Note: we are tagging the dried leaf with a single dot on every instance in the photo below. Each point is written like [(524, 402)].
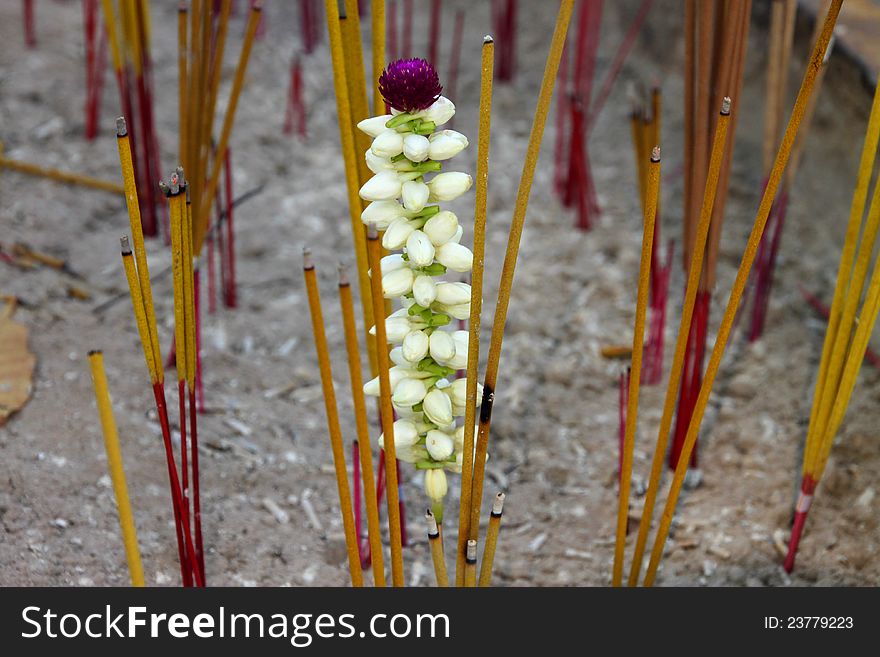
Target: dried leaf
[(16, 365)]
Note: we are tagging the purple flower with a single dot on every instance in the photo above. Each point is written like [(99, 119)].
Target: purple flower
[(410, 85)]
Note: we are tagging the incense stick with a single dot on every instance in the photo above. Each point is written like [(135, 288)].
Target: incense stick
[(470, 564), (515, 235), (675, 373), (333, 428), (774, 180), (480, 204), (491, 541), (117, 471), (59, 175), (652, 192), (435, 540), (361, 424), (377, 25), (386, 411)]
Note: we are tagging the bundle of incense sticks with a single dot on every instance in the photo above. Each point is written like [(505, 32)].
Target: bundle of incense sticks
[(851, 321), (645, 129), (695, 269), (128, 32), (504, 28), (96, 62), (779, 57), (351, 99), (716, 37), (187, 519)]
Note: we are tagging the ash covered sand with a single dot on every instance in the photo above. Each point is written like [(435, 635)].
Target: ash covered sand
[(555, 419)]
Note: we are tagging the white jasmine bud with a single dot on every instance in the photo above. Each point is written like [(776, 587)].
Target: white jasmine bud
[(376, 163), (396, 329), (438, 407), (409, 392), (419, 249), (458, 235), (458, 392), (446, 144), (449, 185), (441, 227), (391, 263), (382, 213), (435, 484), (415, 346), (441, 346), (460, 340), (459, 311), (387, 143), (396, 233), (375, 125), (415, 147), (396, 356), (424, 290), (411, 454), (455, 256), (453, 294), (438, 444), (440, 111), (405, 435), (414, 195), (459, 461), (395, 376), (384, 186), (397, 283)]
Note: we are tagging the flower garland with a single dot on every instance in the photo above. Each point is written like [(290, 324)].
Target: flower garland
[(406, 147)]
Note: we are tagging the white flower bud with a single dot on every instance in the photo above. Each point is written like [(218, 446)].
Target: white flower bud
[(375, 125), (396, 233), (405, 435), (415, 346), (384, 186), (391, 263), (438, 407), (441, 227), (397, 283), (419, 249), (396, 329), (455, 256), (441, 347), (395, 376), (446, 144), (415, 147), (424, 290), (458, 311), (414, 195), (396, 356), (435, 484), (458, 235), (387, 143), (453, 294), (382, 213), (458, 392), (438, 444), (409, 392), (459, 461), (440, 111), (449, 186), (460, 340), (376, 163), (411, 454)]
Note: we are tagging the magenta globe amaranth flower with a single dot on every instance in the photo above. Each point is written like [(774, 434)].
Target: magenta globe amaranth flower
[(410, 85)]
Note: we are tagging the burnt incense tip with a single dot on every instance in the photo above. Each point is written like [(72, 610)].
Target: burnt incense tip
[(95, 352), (342, 268), (655, 154), (308, 262), (372, 233), (725, 105), (163, 187), (471, 554), (341, 5), (498, 504), (433, 531), (121, 128), (182, 8), (488, 39), (125, 245)]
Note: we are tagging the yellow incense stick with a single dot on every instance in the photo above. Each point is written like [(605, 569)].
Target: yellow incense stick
[(632, 407), (137, 302), (60, 176), (323, 352), (435, 540), (117, 472), (491, 541), (363, 429), (516, 227), (377, 15), (694, 271), (392, 495), (470, 564), (356, 80), (137, 236), (176, 213), (189, 309), (343, 111), (480, 201), (182, 13), (815, 64)]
